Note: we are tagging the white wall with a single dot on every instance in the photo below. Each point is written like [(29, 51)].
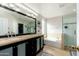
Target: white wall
[(78, 27), (39, 27), (77, 24), (44, 27)]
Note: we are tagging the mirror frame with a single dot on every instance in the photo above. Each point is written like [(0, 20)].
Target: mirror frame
[(20, 14)]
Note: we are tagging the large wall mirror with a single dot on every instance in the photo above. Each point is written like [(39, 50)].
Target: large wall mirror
[(12, 22)]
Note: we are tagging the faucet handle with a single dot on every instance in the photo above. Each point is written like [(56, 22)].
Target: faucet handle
[(13, 33), (7, 34)]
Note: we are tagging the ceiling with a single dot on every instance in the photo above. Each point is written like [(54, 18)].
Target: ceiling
[(49, 10)]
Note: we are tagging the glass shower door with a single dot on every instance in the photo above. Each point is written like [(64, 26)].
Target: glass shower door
[(69, 31)]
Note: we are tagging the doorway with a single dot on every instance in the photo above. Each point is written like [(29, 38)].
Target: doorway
[(20, 28)]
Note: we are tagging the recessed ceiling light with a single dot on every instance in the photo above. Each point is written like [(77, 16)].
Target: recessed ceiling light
[(74, 9), (61, 5)]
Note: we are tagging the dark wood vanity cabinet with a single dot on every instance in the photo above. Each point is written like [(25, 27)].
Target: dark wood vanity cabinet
[(34, 46), (42, 41), (30, 47), (15, 50)]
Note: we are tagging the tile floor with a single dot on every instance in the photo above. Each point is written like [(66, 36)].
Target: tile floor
[(51, 51)]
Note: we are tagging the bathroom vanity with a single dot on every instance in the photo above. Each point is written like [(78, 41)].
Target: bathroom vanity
[(25, 45), (18, 33)]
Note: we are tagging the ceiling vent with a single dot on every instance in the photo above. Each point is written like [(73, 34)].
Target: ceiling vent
[(61, 5)]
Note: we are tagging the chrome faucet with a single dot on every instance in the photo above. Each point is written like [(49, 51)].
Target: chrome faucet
[(8, 34), (12, 33)]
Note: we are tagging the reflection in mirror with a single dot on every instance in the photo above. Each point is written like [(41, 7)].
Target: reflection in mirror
[(14, 23)]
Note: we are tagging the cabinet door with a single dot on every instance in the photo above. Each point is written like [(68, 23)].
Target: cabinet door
[(6, 52), (15, 50), (29, 48), (21, 49), (34, 46), (42, 41), (38, 44)]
